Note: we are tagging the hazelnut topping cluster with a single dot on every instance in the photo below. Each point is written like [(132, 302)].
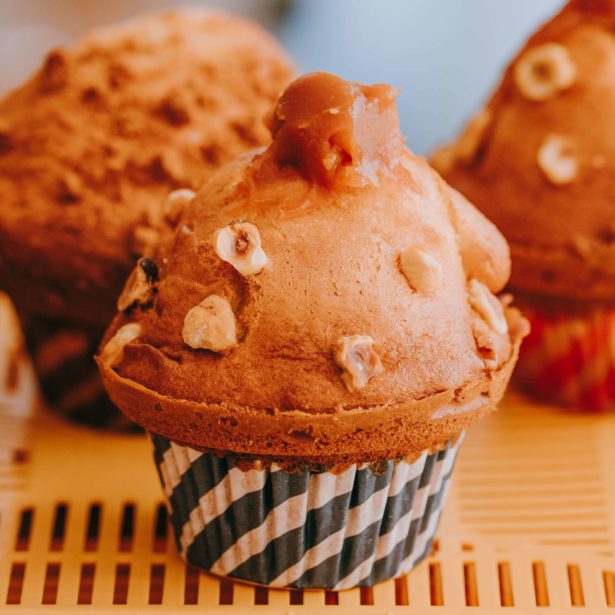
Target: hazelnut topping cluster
[(541, 73), (331, 137)]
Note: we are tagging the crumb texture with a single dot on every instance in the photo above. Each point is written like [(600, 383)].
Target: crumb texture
[(94, 141)]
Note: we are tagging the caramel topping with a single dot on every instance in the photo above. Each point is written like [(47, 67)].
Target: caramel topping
[(331, 130)]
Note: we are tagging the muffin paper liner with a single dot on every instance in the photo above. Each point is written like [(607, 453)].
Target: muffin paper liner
[(348, 526), (570, 359)]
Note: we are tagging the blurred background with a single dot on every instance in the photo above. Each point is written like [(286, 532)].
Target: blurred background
[(444, 55)]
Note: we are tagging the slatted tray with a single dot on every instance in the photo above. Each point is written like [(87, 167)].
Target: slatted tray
[(529, 527)]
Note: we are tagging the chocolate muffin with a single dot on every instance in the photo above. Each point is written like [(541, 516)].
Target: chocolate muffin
[(322, 330), (92, 144), (537, 160)]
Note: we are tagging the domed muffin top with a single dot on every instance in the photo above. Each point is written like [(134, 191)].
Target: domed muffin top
[(91, 145), (539, 159), (332, 271)]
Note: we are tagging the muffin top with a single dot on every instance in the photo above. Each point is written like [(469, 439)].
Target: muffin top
[(328, 296), (539, 159), (92, 143)]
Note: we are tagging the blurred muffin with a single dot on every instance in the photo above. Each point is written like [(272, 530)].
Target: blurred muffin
[(18, 390), (539, 161), (92, 144), (321, 332)]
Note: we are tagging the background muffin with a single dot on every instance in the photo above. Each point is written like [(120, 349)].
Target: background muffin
[(322, 330), (92, 144), (538, 160)]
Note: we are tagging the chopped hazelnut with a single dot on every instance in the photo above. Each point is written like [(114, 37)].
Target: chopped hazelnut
[(423, 271), (354, 354), (210, 325), (556, 160), (543, 71), (140, 285), (239, 244), (493, 348), (471, 138), (175, 203), (113, 352), (487, 306)]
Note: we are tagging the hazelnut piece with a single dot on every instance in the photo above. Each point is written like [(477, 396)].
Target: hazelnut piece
[(422, 270), (239, 244), (487, 306), (557, 161), (472, 136), (354, 354), (210, 325), (140, 285), (543, 71), (175, 203), (113, 352)]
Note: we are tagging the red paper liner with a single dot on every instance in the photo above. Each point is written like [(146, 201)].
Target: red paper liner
[(569, 358)]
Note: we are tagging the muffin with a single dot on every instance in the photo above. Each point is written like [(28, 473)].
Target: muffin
[(538, 160), (322, 331), (90, 147)]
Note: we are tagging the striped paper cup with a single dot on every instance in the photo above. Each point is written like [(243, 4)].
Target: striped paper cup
[(569, 359), (357, 525)]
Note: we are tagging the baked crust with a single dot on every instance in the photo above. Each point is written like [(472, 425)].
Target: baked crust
[(93, 142), (560, 229), (340, 436)]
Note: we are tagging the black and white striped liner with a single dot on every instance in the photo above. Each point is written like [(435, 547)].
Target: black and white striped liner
[(369, 523)]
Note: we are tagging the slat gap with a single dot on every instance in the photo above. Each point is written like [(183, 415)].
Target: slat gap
[(92, 534), (58, 531), (122, 579), (436, 593), (331, 598), (575, 583), (541, 589), (402, 597), (261, 595), (191, 585), (16, 580), (156, 583), (86, 583), (366, 596), (470, 584), (24, 532), (506, 585), (50, 587), (226, 592), (160, 530), (127, 528), (295, 597), (608, 579)]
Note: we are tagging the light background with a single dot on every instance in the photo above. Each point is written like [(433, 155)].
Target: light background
[(445, 55)]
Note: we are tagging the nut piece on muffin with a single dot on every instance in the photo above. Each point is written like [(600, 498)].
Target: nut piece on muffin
[(92, 144), (325, 305), (538, 161)]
